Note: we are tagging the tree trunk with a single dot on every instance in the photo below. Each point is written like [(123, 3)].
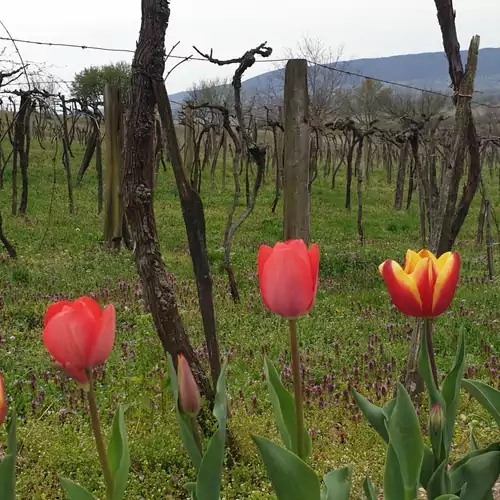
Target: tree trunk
[(400, 181), (6, 243), (138, 162)]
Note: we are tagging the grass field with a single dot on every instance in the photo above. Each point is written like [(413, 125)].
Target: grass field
[(352, 335)]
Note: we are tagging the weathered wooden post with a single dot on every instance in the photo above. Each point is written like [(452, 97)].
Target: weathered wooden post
[(296, 154), (113, 217)]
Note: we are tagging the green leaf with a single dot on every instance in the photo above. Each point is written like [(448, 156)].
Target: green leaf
[(369, 489), (209, 474), (474, 447), (486, 395), (8, 478), (476, 476), (184, 421), (373, 413), (8, 464), (427, 467), (191, 487), (291, 477), (338, 484), (406, 440), (439, 483), (118, 454), (451, 392), (448, 497), (75, 491), (393, 481), (284, 410)]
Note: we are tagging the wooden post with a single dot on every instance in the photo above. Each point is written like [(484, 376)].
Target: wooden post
[(113, 216), (296, 162)]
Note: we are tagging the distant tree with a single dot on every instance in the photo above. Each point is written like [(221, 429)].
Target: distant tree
[(88, 84)]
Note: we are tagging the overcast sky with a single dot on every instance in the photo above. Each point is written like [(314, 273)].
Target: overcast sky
[(364, 28)]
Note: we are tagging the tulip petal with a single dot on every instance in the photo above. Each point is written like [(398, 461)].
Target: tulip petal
[(54, 309), (424, 276), (90, 305), (265, 252), (427, 254), (286, 282), (75, 373), (67, 336), (411, 260), (402, 288), (446, 283), (103, 339), (314, 262)]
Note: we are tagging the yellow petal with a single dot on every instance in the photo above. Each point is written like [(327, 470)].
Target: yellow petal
[(411, 260)]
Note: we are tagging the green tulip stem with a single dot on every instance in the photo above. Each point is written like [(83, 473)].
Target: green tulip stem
[(196, 433), (297, 385), (96, 427), (430, 349)]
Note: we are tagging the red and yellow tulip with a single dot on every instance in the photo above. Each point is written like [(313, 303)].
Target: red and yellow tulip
[(189, 396), (426, 285)]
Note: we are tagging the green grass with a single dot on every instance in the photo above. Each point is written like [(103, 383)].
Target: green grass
[(351, 328)]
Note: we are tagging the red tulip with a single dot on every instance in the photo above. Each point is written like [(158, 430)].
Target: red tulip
[(426, 286), (288, 277), (79, 335), (189, 396), (3, 401)]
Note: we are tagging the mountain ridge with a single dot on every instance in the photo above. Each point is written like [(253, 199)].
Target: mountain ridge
[(426, 70)]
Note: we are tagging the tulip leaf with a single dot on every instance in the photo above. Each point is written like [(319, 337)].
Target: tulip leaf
[(486, 395), (291, 477), (284, 411), (369, 489), (476, 476), (191, 487), (393, 480), (448, 496), (208, 480), (405, 438), (427, 467), (8, 478), (118, 454), (8, 464), (373, 413), (451, 392), (338, 484), (439, 483), (75, 491), (184, 421)]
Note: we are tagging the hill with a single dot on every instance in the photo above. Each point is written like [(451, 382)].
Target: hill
[(427, 70)]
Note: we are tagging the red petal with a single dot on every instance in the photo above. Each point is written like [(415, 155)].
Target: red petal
[(101, 344), (91, 306), (286, 281), (425, 274), (263, 255), (314, 261), (402, 288), (75, 373), (54, 309), (67, 336), (446, 284)]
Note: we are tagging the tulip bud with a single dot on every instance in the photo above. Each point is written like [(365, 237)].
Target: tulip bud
[(189, 396), (436, 418), (3, 401)]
